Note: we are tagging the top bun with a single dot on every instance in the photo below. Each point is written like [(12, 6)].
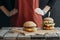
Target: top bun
[(29, 24), (48, 19)]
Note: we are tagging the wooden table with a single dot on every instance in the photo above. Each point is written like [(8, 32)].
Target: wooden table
[(43, 35)]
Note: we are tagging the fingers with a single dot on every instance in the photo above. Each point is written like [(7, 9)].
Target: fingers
[(39, 11)]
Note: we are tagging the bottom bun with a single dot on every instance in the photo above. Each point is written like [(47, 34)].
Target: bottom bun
[(48, 28), (29, 30)]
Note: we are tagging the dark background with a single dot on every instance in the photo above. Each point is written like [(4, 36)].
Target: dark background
[(55, 14), (55, 11)]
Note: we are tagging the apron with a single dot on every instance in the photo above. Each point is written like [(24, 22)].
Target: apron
[(26, 13)]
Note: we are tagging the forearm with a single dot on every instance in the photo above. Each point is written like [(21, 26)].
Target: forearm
[(46, 8), (5, 10), (14, 11)]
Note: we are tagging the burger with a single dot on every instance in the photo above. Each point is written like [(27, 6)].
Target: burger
[(29, 26), (49, 23)]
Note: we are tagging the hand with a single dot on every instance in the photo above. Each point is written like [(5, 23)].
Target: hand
[(14, 11), (39, 11)]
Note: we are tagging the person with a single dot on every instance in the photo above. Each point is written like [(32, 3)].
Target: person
[(4, 20), (50, 3), (28, 10), (5, 7)]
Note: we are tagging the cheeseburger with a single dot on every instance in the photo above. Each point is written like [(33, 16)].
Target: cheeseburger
[(48, 23), (29, 26)]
